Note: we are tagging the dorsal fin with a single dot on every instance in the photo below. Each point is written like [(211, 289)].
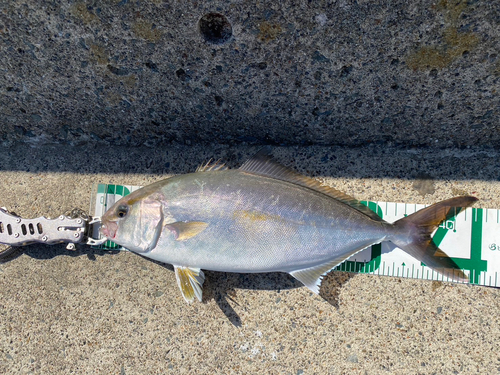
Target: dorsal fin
[(262, 164), (216, 166)]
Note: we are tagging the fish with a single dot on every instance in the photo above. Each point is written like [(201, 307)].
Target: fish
[(264, 217)]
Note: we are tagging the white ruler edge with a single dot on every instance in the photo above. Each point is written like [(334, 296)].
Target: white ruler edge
[(472, 239)]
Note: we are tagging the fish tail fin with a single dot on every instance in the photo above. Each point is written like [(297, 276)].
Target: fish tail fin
[(414, 235)]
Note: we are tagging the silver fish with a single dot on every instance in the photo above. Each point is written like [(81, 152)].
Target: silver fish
[(263, 217)]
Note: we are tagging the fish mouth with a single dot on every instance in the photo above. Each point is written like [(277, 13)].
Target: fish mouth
[(109, 229)]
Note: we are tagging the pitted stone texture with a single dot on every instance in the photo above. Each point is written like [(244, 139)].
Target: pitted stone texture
[(324, 72)]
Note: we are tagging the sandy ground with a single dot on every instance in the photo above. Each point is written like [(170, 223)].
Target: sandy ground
[(90, 311)]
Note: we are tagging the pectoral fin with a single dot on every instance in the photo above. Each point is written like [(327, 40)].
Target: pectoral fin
[(190, 281), (185, 230)]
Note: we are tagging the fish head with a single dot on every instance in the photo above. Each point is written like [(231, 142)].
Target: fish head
[(134, 222)]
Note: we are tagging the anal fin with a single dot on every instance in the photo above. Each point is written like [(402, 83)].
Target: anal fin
[(190, 281), (312, 276)]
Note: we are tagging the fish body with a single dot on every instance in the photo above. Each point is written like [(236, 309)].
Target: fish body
[(256, 224), (262, 217)]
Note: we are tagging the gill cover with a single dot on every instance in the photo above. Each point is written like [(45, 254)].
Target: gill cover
[(142, 226)]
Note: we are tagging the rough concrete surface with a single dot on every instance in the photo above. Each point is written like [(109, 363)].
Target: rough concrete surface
[(95, 312), (282, 72)]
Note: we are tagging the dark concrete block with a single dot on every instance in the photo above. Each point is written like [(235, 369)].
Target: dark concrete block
[(289, 72)]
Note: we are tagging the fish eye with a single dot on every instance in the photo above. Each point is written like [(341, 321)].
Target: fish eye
[(122, 211)]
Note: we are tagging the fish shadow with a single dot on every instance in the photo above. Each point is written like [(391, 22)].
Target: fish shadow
[(332, 285), (222, 288)]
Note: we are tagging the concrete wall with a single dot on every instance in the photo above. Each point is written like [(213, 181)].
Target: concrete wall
[(289, 72)]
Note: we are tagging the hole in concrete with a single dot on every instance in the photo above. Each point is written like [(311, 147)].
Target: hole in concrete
[(218, 100), (182, 75), (215, 28)]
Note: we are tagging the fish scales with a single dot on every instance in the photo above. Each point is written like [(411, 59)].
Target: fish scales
[(304, 229)]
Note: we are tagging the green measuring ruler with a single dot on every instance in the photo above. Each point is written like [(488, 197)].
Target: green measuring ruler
[(472, 239)]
